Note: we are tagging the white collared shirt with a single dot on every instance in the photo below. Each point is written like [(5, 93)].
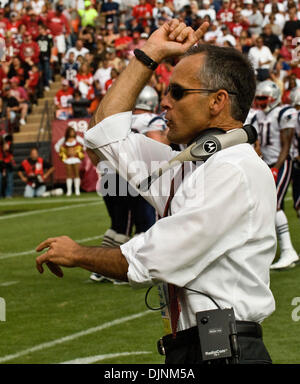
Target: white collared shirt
[(257, 55), (220, 238)]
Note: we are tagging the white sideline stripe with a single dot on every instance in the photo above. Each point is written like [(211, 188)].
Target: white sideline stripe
[(16, 215), (51, 200), (72, 337), (31, 251), (8, 283), (94, 359), (89, 239)]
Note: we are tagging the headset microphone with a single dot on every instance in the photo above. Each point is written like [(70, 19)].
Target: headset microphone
[(209, 142)]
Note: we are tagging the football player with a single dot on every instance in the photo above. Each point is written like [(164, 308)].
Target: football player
[(146, 122), (249, 121), (295, 99), (276, 124)]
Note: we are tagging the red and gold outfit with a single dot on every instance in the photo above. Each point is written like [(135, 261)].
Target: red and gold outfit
[(71, 152)]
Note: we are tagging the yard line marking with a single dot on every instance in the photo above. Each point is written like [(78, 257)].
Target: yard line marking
[(31, 251), (51, 200), (8, 255), (72, 337), (89, 239), (94, 359), (16, 215), (8, 283)]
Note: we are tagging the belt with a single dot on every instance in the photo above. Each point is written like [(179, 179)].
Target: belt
[(191, 336)]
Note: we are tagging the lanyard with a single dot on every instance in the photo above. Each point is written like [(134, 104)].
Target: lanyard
[(172, 290)]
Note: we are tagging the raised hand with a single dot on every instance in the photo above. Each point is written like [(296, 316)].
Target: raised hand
[(173, 38)]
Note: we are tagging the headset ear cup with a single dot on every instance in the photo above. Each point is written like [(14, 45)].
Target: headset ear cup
[(251, 133)]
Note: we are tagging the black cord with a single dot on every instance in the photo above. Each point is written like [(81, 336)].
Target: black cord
[(164, 305), (148, 306), (204, 294)]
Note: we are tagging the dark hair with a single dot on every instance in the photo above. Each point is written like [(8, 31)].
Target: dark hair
[(33, 149), (68, 131), (59, 8), (229, 69)]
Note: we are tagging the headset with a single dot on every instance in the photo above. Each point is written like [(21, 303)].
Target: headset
[(208, 143)]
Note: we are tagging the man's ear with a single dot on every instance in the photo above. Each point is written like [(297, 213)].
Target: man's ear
[(218, 102)]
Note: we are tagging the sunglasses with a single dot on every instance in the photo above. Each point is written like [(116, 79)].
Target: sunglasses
[(177, 92)]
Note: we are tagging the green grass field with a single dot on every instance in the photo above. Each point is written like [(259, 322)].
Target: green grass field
[(51, 320)]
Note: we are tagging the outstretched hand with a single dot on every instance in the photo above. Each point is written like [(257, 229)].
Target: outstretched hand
[(61, 252), (173, 38)]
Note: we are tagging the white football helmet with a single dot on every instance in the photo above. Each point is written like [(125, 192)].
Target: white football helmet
[(295, 96), (267, 95), (148, 99)]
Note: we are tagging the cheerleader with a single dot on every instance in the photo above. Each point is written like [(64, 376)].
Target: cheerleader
[(7, 163), (70, 150)]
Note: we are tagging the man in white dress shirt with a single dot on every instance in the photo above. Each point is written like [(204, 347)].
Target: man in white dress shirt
[(216, 240), (260, 55)]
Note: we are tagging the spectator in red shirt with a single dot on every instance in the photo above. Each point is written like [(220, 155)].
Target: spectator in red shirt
[(12, 47), (3, 77), (286, 49), (57, 22), (238, 24), (142, 13), (22, 97), (292, 83), (29, 51), (84, 79), (113, 76), (136, 43), (4, 23), (62, 98), (6, 164), (225, 14), (295, 65), (31, 21), (59, 27), (15, 22), (32, 83), (121, 44), (163, 74)]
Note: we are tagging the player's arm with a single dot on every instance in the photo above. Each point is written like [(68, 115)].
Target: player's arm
[(286, 137), (257, 148), (63, 251)]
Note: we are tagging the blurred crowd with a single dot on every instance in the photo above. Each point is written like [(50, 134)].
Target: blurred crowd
[(90, 42)]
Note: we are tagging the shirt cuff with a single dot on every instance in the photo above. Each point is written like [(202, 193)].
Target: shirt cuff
[(138, 275), (112, 129)]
